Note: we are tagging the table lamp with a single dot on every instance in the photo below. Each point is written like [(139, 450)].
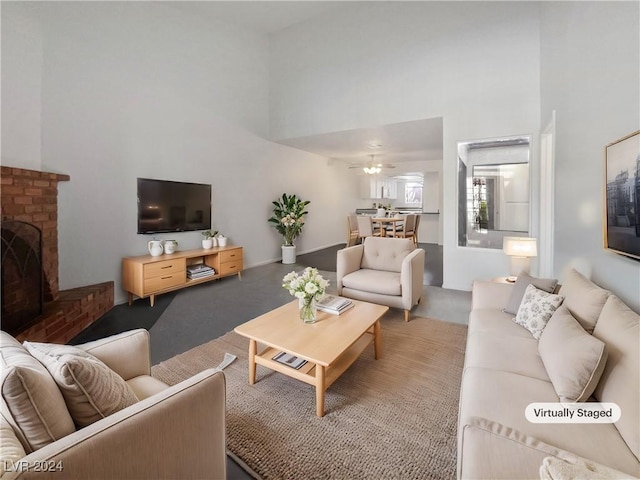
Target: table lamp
[(520, 249)]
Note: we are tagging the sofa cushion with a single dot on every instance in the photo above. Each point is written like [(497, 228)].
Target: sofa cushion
[(573, 359), (90, 389), (374, 281), (619, 327), (583, 298), (536, 309), (524, 280), (145, 386), (498, 352), (386, 253), (496, 322), (11, 450), (31, 400), (503, 397)]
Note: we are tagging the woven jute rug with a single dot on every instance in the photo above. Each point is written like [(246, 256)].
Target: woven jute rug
[(392, 418)]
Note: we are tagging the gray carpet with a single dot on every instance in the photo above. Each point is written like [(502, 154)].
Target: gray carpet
[(391, 418)]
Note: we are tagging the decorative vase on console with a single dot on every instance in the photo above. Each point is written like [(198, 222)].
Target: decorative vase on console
[(155, 248), (170, 246), (209, 239)]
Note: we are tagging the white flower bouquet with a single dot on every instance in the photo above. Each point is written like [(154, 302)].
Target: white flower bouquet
[(308, 287)]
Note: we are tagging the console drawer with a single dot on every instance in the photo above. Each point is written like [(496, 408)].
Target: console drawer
[(231, 255), (166, 267), (165, 281), (231, 267)]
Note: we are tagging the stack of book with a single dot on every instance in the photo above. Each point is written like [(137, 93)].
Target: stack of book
[(334, 304), (199, 271)]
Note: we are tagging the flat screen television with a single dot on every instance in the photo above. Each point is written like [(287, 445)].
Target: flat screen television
[(166, 206)]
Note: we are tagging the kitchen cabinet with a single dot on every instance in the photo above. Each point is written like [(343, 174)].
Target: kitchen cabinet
[(378, 188)]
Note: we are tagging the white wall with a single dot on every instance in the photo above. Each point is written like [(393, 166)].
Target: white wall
[(140, 90), (590, 76), (21, 90), (476, 64)]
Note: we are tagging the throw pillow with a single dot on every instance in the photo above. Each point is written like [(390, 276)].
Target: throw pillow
[(31, 400), (524, 280), (536, 309), (90, 389), (573, 358), (583, 298)]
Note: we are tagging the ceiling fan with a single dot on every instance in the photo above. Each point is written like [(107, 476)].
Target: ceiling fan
[(372, 167)]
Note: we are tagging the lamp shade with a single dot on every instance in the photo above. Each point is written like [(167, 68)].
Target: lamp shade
[(520, 246)]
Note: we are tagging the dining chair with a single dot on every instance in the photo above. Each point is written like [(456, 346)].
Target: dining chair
[(365, 227), (352, 229), (408, 227), (415, 230)]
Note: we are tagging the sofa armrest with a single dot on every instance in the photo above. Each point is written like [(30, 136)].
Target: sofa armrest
[(412, 278), (487, 294), (177, 433), (127, 354), (348, 261)]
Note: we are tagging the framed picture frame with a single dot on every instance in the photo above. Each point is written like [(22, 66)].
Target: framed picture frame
[(621, 222)]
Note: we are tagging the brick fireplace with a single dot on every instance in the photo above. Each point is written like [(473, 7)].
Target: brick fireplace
[(30, 197)]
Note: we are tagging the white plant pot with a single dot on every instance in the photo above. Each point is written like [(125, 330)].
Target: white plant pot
[(215, 241), (207, 243), (288, 254), (222, 241)]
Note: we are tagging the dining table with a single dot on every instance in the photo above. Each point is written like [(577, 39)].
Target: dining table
[(393, 221)]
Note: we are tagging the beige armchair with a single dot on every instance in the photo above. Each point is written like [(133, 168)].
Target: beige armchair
[(387, 271), (171, 432)]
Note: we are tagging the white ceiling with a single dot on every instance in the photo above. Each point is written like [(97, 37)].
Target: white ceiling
[(259, 16), (418, 140)]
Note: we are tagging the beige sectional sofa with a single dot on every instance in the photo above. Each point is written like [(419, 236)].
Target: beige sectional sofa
[(75, 429), (504, 372)]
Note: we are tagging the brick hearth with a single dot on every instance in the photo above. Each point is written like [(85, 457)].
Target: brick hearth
[(32, 196)]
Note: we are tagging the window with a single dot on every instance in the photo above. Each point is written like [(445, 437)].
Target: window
[(413, 193)]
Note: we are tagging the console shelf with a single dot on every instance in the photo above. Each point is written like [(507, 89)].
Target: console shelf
[(147, 276)]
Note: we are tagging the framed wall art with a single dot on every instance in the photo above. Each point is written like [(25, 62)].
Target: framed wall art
[(621, 221)]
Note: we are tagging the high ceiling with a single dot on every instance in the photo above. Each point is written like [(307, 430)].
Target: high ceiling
[(406, 142), (259, 16), (418, 140)]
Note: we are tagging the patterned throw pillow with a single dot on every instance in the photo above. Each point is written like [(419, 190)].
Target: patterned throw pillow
[(90, 389), (536, 309)]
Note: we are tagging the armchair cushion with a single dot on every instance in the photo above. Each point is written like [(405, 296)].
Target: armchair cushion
[(31, 401), (90, 389), (126, 353), (383, 254), (374, 281)]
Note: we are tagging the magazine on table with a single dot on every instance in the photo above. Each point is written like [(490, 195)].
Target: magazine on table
[(290, 360), (334, 304)]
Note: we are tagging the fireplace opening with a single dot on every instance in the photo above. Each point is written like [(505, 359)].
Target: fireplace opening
[(22, 275)]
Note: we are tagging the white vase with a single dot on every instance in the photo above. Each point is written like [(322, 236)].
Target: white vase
[(207, 243), (155, 248), (308, 310), (288, 254), (222, 241)]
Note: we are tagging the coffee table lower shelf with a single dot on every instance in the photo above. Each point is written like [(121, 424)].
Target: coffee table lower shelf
[(320, 376)]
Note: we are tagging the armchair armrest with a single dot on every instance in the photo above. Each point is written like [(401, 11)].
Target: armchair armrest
[(177, 433), (127, 354), (487, 294), (348, 261), (411, 278)]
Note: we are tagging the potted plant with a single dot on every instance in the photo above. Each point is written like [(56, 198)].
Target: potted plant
[(288, 220), (209, 238), (222, 240)]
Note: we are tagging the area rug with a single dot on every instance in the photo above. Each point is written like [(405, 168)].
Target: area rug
[(392, 418)]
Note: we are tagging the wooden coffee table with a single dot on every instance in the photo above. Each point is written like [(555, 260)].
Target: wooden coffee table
[(330, 345)]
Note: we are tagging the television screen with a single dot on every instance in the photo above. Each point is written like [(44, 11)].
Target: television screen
[(166, 206)]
